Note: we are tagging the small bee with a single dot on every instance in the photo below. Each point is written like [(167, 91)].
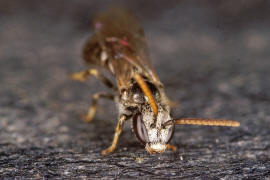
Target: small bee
[(118, 45)]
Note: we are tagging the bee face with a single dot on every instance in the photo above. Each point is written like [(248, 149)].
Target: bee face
[(151, 130)]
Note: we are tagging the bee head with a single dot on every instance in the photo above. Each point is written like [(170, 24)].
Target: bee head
[(153, 131), (150, 123)]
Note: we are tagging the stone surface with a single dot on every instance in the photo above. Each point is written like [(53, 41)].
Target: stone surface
[(212, 58)]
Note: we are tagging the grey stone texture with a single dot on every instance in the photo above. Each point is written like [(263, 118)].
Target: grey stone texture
[(212, 56)]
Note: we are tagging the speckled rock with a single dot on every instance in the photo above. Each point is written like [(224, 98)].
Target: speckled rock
[(212, 58)]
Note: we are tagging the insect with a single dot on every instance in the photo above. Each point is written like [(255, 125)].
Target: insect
[(118, 45)]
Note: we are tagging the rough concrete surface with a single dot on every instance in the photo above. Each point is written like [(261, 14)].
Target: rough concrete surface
[(212, 56)]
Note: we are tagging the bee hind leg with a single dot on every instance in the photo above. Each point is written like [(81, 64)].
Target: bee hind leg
[(118, 131), (92, 110), (82, 76)]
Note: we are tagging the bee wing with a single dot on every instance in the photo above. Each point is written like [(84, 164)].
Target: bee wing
[(124, 39)]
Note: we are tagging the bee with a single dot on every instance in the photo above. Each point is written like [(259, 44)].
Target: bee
[(118, 44)]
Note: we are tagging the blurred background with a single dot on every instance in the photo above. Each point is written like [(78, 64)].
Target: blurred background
[(212, 56)]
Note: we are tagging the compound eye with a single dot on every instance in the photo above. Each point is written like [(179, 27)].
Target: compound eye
[(140, 129), (170, 134)]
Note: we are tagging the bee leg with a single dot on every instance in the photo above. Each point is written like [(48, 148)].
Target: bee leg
[(92, 110), (118, 131), (173, 104), (81, 76), (171, 147)]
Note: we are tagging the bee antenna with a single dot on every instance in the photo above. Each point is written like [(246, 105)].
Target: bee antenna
[(206, 122), (147, 92)]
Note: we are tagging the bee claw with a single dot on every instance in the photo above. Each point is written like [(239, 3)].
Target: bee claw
[(109, 150), (171, 147), (86, 118), (106, 151), (78, 77)]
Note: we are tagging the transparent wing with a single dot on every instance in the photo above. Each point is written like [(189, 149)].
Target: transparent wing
[(124, 39)]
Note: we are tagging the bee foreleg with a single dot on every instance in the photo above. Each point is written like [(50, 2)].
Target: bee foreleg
[(118, 131), (81, 76), (92, 110), (171, 147)]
